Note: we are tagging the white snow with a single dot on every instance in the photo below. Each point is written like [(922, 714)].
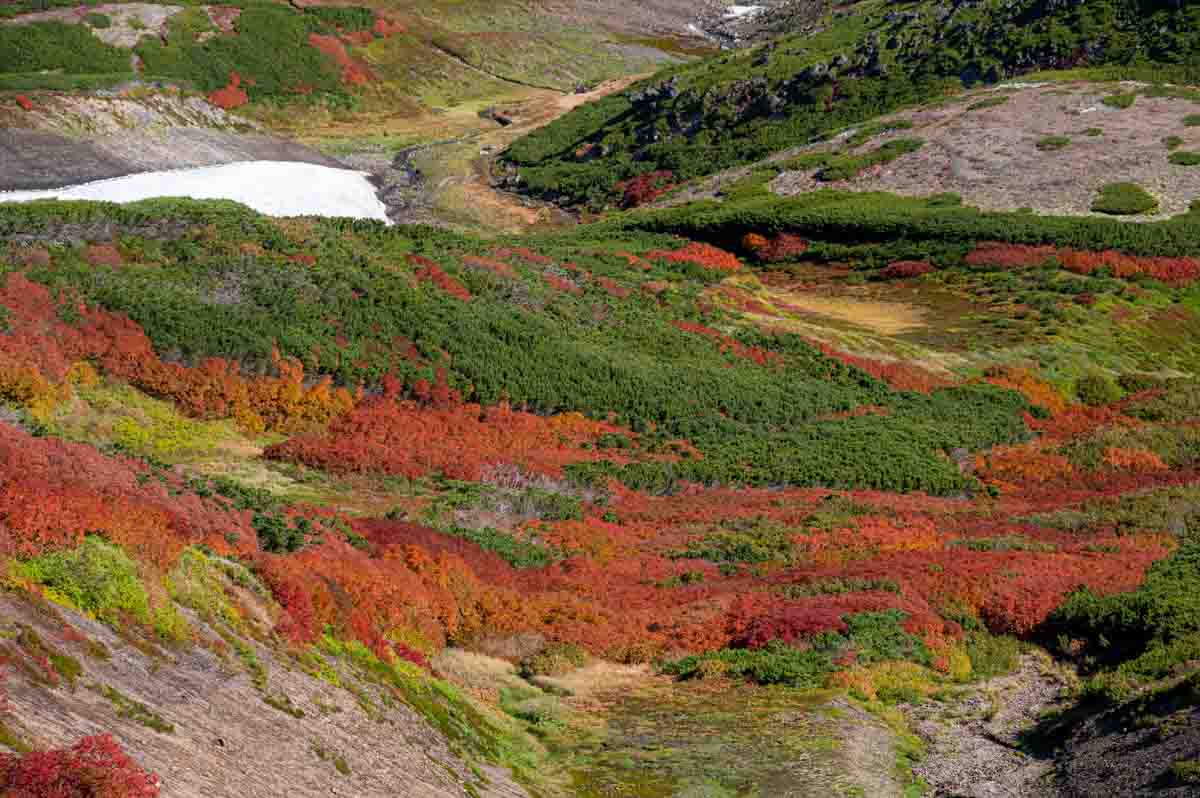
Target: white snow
[(734, 12), (274, 188)]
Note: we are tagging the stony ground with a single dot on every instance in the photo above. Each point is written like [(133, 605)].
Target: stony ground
[(991, 157), (974, 738), (67, 140)]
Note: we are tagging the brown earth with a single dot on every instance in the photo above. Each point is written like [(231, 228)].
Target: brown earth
[(227, 742)]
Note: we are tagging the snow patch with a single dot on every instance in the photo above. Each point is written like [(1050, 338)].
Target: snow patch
[(737, 12), (274, 188)]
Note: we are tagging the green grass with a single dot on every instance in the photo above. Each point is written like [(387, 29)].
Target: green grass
[(98, 20), (1124, 199), (1185, 158), (1172, 142), (97, 578), (1052, 143), (1120, 101), (134, 710)]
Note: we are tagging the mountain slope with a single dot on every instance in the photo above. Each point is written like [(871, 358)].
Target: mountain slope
[(861, 62)]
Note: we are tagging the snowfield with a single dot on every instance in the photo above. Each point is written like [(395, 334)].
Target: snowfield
[(275, 188)]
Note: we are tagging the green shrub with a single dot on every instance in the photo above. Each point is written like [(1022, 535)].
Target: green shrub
[(1094, 131), (1134, 630), (1172, 142), (97, 577), (1124, 199), (49, 46), (1097, 389), (98, 20), (1050, 143), (1120, 100), (1185, 158), (556, 659), (1191, 120)]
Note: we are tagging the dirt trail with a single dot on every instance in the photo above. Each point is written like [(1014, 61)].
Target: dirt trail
[(974, 743)]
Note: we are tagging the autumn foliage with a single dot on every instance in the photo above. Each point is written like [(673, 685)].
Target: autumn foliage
[(95, 767), (410, 439), (704, 255), (230, 96), (644, 189), (1174, 271), (781, 247)]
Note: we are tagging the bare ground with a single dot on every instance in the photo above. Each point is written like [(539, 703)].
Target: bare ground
[(227, 742), (990, 156), (67, 140), (974, 742)]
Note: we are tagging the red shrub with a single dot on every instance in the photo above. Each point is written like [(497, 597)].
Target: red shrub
[(524, 253), (354, 71), (459, 440), (103, 255), (25, 103), (385, 27), (704, 255), (232, 96), (784, 246), (1010, 256), (900, 375), (645, 188), (95, 767), (434, 274), (904, 269), (613, 288)]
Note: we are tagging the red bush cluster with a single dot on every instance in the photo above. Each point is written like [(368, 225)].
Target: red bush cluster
[(354, 72), (784, 246), (24, 102), (40, 350), (905, 269), (645, 188), (432, 273), (231, 96), (460, 440), (1176, 271), (95, 767), (699, 254)]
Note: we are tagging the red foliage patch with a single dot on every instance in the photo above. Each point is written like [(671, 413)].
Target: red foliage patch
[(354, 72), (561, 284), (525, 254), (103, 255), (645, 188), (232, 96), (700, 254), (460, 440), (23, 101), (904, 269), (41, 342), (785, 246), (1175, 271), (95, 767), (385, 27), (433, 273)]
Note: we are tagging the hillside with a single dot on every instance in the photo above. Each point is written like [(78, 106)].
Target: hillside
[(850, 65), (820, 418)]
